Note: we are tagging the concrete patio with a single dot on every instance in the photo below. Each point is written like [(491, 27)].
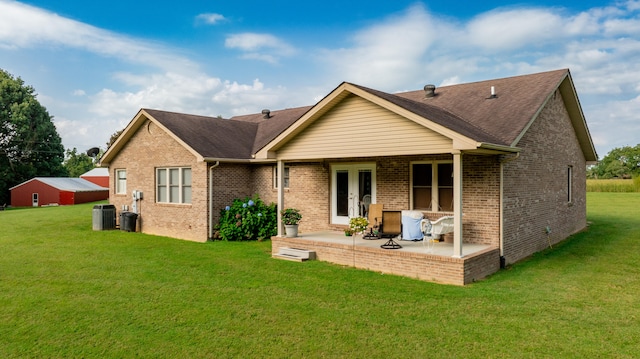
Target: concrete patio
[(412, 260)]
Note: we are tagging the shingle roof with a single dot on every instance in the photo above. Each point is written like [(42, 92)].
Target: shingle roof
[(467, 109), (504, 117), (210, 136)]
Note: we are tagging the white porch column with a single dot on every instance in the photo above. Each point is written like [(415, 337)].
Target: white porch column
[(280, 169), (457, 204)]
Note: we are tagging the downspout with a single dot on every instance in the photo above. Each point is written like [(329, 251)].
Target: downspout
[(211, 198), (502, 162)]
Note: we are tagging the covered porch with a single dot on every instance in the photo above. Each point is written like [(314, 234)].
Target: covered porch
[(412, 260)]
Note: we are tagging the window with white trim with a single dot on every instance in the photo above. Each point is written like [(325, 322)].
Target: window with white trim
[(121, 181), (173, 185), (275, 177), (432, 186)]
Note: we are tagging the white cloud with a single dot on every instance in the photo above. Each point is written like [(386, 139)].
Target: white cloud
[(513, 29), (24, 26), (210, 18), (264, 47), (389, 53)]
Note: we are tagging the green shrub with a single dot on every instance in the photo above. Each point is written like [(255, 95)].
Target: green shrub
[(247, 220)]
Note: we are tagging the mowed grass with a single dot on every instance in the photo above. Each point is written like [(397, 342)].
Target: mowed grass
[(69, 292)]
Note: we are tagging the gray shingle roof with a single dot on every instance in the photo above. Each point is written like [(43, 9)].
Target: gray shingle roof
[(504, 117), (467, 109)]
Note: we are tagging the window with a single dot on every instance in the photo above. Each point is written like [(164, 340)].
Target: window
[(173, 185), (275, 177), (432, 186), (570, 184), (121, 181)]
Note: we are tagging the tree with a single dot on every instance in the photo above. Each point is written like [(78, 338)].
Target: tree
[(77, 163), (621, 162), (29, 142), (114, 137)]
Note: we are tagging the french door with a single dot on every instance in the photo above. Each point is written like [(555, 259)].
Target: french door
[(353, 186)]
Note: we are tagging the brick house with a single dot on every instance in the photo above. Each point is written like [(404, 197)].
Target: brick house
[(505, 157)]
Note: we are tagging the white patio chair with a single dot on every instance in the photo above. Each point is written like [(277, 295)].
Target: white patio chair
[(433, 230), (427, 238), (364, 205), (442, 225)]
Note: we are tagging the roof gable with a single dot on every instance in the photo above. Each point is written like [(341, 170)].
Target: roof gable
[(360, 128)]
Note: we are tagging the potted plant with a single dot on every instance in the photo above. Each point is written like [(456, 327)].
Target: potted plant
[(358, 224), (290, 218)]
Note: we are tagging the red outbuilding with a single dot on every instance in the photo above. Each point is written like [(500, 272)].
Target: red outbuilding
[(43, 191), (98, 175)]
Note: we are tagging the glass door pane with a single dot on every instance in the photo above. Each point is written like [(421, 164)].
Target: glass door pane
[(364, 191), (342, 193)]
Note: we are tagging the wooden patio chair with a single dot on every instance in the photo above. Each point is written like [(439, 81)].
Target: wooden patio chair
[(375, 219)]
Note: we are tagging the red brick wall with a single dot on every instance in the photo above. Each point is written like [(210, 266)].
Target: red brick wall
[(535, 185)]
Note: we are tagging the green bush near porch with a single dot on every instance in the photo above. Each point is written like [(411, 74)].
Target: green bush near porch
[(247, 220), (69, 292)]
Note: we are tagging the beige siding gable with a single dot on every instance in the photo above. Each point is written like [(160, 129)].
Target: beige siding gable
[(356, 127)]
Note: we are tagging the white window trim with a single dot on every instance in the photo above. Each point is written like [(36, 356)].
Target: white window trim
[(353, 169), (435, 201), (168, 185), (569, 184), (119, 189), (287, 177)]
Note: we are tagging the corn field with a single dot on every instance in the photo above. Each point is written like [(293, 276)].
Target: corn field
[(613, 185)]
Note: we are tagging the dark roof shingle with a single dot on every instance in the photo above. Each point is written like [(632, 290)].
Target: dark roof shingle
[(467, 109)]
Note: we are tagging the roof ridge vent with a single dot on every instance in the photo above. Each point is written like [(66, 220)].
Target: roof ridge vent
[(266, 113), (429, 90)]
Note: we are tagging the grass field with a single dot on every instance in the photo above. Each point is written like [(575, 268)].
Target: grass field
[(69, 292)]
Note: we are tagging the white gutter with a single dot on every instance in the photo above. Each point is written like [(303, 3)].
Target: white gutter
[(502, 162), (211, 198)]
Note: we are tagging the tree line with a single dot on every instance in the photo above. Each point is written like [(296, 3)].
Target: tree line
[(30, 145), (622, 162)]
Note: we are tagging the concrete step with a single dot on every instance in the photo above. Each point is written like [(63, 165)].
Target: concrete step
[(295, 254)]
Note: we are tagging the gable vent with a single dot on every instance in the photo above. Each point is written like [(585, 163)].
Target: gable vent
[(429, 90)]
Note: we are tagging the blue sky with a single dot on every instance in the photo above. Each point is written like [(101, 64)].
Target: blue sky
[(95, 64)]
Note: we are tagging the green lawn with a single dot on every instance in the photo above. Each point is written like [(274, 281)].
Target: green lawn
[(69, 292)]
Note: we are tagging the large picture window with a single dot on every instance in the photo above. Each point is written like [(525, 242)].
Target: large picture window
[(121, 181), (432, 186), (173, 185)]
